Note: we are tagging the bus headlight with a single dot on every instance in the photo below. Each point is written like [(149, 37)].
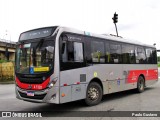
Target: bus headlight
[(51, 84)]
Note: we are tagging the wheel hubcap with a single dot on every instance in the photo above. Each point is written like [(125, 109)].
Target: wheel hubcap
[(93, 93)]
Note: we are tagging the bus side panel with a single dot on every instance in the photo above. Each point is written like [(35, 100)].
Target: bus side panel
[(152, 74), (132, 72), (65, 94), (74, 83), (78, 91), (131, 79), (105, 87), (110, 76)]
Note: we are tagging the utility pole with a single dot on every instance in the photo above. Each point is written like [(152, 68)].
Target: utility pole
[(115, 20)]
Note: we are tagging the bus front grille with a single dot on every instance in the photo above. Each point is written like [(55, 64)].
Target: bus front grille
[(37, 97), (31, 80)]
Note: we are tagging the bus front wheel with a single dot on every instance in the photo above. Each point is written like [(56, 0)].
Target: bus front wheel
[(93, 94), (140, 84)]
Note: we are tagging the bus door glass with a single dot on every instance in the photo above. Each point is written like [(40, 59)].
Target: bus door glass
[(72, 53)]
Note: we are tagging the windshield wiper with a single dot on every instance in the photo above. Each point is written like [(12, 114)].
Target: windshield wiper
[(40, 43), (38, 46)]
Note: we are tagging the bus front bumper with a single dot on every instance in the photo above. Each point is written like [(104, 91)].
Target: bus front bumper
[(49, 95)]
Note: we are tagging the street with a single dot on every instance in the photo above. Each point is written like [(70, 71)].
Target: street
[(121, 101)]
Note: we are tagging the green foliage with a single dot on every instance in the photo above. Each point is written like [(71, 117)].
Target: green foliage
[(2, 61)]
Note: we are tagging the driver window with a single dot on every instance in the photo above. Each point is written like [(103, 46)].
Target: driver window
[(74, 50), (78, 52), (71, 52)]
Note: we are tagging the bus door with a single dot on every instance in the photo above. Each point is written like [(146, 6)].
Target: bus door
[(72, 71)]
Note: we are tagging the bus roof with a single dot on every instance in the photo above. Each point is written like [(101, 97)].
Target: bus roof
[(104, 36)]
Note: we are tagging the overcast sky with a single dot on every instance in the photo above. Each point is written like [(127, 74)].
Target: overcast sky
[(137, 19)]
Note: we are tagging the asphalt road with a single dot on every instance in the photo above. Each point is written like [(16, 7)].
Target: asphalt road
[(149, 100)]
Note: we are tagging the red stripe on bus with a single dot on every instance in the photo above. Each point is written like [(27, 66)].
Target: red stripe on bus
[(65, 84), (151, 74), (78, 82), (32, 86)]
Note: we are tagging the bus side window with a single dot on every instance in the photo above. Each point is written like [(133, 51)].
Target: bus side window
[(154, 56), (151, 56), (115, 51), (140, 55), (128, 53), (108, 57), (75, 52), (71, 53), (97, 51)]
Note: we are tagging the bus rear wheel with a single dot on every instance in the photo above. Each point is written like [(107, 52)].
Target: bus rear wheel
[(93, 94), (140, 84)]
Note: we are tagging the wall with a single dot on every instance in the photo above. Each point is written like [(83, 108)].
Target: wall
[(6, 71)]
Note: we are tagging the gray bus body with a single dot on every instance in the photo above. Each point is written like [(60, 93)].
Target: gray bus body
[(71, 76)]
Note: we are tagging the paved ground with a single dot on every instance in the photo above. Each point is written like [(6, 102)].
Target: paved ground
[(149, 100)]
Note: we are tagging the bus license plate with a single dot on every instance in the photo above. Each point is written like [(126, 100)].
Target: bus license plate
[(30, 93)]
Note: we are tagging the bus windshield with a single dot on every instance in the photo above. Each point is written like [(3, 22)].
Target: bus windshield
[(35, 57)]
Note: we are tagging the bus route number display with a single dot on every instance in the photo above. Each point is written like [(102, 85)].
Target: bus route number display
[(38, 33)]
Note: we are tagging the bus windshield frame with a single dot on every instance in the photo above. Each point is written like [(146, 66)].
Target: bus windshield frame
[(35, 57)]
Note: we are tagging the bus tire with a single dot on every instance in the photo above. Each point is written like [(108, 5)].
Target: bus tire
[(140, 84), (94, 94)]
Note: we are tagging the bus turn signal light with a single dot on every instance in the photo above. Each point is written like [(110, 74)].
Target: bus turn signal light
[(63, 95)]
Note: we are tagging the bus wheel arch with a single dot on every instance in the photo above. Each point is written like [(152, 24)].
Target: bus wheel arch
[(140, 83), (94, 92), (98, 81)]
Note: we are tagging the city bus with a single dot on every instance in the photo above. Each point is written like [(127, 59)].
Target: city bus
[(60, 64)]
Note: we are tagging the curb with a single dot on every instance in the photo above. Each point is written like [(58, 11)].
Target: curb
[(7, 82)]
